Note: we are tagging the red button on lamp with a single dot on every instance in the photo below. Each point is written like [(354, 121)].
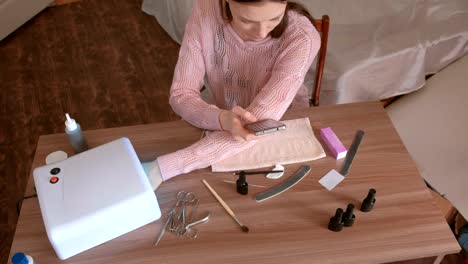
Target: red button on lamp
[(54, 180)]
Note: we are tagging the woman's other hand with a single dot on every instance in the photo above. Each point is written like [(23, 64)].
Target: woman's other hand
[(232, 121)]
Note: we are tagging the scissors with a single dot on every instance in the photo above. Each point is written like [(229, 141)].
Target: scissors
[(177, 219), (189, 231), (180, 209), (185, 197)]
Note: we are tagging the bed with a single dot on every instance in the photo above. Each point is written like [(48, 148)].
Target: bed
[(376, 50), (14, 13)]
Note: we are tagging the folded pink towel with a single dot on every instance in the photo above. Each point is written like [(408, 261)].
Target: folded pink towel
[(294, 145)]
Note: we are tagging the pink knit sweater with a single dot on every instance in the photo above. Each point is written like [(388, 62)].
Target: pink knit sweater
[(262, 77)]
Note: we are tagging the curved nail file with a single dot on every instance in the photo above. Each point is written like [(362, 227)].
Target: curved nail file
[(290, 182)]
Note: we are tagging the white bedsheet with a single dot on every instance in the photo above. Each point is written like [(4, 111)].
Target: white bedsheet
[(376, 49), (14, 13)]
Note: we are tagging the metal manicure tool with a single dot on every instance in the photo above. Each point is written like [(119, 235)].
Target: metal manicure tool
[(180, 218), (257, 172), (254, 185)]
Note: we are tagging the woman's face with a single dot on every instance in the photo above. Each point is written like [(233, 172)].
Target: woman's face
[(255, 21)]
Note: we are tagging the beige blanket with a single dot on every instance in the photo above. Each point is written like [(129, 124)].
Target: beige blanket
[(294, 145)]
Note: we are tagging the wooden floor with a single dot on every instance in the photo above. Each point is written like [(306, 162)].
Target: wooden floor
[(105, 62)]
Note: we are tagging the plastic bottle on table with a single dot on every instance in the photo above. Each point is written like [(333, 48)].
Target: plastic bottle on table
[(73, 130), (21, 258)]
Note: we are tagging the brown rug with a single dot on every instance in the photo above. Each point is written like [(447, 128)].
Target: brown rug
[(105, 62)]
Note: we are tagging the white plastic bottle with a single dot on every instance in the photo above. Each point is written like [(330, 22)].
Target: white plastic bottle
[(21, 258), (73, 130)]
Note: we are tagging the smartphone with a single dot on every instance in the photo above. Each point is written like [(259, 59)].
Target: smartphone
[(265, 126)]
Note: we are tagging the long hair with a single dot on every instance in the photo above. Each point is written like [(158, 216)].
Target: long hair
[(281, 27)]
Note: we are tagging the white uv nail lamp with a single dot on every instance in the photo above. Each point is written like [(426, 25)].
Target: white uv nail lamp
[(93, 197)]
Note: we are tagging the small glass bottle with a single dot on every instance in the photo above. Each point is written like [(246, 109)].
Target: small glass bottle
[(73, 130), (21, 258)]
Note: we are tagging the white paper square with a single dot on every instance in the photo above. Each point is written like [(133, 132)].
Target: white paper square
[(331, 180)]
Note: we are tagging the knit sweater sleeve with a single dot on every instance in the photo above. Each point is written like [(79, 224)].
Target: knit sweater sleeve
[(287, 77), (189, 75), (216, 146)]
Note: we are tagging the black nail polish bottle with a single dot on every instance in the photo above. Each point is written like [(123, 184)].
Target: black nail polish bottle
[(242, 185), (349, 217), (336, 222), (369, 201)]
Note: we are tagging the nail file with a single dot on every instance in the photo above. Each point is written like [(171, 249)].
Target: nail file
[(290, 182), (352, 152), (333, 177)]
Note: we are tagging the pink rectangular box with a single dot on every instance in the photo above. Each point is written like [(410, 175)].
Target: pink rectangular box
[(333, 143)]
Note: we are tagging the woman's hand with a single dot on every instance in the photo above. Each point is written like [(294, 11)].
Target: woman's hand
[(232, 121)]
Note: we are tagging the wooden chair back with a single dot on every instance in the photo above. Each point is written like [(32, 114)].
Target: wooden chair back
[(322, 26)]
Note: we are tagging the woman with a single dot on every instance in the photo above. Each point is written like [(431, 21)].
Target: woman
[(254, 55)]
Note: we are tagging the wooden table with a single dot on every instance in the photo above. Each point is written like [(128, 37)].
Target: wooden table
[(290, 228)]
